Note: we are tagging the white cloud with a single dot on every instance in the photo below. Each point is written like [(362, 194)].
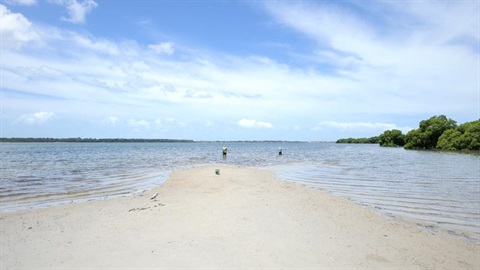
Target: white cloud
[(110, 120), (39, 72), (77, 11), (198, 94), (168, 123), (15, 29), (36, 118), (162, 48), (411, 25), (102, 70), (370, 74), (98, 45), (251, 123), (139, 123), (389, 62)]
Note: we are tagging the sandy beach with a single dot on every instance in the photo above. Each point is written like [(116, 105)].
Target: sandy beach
[(242, 218)]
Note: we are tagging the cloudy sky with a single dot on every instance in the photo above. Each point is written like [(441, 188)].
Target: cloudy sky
[(235, 70)]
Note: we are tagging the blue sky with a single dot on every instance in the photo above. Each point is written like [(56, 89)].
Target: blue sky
[(235, 70)]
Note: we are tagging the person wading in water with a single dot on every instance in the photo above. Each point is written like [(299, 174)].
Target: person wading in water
[(224, 150)]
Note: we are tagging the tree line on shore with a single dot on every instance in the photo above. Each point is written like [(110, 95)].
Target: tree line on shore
[(437, 132), (372, 140), (31, 139), (87, 140)]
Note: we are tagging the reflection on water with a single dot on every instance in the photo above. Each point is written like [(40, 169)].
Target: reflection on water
[(433, 187)]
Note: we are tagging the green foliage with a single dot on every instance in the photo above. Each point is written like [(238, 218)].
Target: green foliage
[(463, 137), (392, 138), (438, 132), (450, 140), (415, 139), (426, 137), (359, 140)]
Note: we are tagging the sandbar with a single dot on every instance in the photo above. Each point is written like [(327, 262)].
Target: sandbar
[(242, 218)]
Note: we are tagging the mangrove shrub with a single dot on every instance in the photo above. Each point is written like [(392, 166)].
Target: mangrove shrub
[(428, 133), (392, 138), (464, 137)]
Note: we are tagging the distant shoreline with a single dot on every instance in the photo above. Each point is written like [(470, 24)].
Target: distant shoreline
[(122, 140), (88, 140)]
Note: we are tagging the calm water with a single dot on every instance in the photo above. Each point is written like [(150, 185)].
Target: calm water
[(441, 190)]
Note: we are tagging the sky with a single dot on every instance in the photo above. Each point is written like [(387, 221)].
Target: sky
[(235, 70)]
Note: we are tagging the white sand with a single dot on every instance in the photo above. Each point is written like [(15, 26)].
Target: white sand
[(242, 218)]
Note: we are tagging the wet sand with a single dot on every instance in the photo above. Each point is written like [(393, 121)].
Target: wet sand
[(242, 218)]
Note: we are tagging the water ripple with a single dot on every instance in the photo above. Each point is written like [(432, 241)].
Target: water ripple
[(441, 190)]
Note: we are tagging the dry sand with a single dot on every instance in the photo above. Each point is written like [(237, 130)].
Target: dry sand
[(242, 218)]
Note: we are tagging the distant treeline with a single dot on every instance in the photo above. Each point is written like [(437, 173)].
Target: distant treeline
[(88, 140), (374, 139), (437, 132), (3, 139)]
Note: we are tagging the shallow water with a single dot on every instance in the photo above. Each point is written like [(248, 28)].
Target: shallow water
[(441, 190)]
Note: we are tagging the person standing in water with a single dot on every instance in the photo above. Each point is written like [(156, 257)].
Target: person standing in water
[(224, 150), (280, 151)]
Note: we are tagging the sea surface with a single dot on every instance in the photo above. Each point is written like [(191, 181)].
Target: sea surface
[(437, 190)]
